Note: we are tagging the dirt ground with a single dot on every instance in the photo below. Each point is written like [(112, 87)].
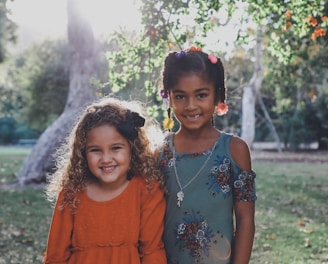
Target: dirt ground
[(285, 156)]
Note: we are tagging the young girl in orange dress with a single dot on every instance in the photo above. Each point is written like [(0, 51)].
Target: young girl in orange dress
[(209, 178), (108, 190)]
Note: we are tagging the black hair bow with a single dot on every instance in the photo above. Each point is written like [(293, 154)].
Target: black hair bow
[(128, 127)]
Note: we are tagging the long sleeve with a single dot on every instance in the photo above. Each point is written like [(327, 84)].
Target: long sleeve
[(59, 237), (152, 226)]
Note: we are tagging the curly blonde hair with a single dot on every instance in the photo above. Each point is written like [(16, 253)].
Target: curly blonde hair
[(72, 173)]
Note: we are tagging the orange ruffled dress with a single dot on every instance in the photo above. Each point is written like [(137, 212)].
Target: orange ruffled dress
[(125, 230)]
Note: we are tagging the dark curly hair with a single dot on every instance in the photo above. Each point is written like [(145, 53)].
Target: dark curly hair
[(72, 173), (178, 64)]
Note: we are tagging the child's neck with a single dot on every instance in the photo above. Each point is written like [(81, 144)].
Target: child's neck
[(195, 141), (105, 192)]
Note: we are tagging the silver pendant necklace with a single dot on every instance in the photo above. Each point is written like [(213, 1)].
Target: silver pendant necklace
[(180, 194)]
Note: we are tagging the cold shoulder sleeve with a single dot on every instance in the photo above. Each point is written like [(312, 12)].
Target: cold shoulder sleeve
[(152, 225), (59, 237)]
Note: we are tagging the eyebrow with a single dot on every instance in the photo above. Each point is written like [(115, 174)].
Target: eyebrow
[(115, 144), (204, 89)]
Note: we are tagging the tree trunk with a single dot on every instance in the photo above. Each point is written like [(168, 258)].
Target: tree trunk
[(248, 113), (82, 71), (270, 124), (249, 96)]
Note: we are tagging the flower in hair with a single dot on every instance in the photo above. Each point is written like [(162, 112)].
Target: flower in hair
[(164, 94), (168, 123), (128, 127), (194, 49), (213, 59), (180, 54), (222, 109)]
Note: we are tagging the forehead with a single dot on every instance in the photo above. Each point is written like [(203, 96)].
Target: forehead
[(192, 82), (104, 133)]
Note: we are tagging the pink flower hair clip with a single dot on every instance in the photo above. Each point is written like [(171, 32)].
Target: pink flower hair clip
[(222, 109), (213, 59)]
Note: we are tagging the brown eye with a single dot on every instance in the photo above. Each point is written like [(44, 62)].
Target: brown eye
[(202, 95), (179, 97)]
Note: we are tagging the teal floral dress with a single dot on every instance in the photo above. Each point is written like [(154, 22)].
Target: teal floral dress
[(200, 230)]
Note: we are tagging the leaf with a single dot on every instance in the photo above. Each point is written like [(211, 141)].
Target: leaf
[(300, 223), (308, 230), (271, 236), (307, 243)]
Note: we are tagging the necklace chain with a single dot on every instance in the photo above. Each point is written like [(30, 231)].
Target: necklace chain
[(180, 194)]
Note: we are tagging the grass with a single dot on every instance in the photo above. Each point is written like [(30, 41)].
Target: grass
[(291, 214), (24, 223), (11, 159)]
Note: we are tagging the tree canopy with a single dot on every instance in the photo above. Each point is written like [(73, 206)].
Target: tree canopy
[(178, 24), (291, 32), (7, 29)]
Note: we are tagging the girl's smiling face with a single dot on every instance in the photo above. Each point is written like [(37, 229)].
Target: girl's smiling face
[(108, 155), (192, 100)]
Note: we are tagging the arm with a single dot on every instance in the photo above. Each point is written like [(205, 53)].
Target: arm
[(152, 226), (245, 229), (59, 238), (244, 210)]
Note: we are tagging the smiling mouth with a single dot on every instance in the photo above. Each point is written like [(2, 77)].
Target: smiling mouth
[(108, 169), (193, 117)]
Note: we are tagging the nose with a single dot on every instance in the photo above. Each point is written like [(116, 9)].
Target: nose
[(190, 104), (106, 157)]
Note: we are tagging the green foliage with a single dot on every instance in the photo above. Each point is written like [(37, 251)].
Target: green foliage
[(24, 222), (7, 30), (11, 131), (11, 159), (135, 68), (173, 25), (320, 115), (42, 77), (298, 90), (7, 127), (289, 217), (10, 101), (288, 23)]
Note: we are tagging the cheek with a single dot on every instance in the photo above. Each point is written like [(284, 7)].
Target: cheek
[(174, 104), (90, 159), (126, 157)]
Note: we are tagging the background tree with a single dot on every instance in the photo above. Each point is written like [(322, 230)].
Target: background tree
[(41, 78), (299, 91), (139, 61), (82, 70), (166, 29), (7, 30)]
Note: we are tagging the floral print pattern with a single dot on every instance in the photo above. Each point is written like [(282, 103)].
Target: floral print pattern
[(244, 187), (219, 178), (222, 179), (194, 235)]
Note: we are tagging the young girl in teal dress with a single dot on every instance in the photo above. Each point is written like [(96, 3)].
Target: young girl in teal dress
[(209, 178)]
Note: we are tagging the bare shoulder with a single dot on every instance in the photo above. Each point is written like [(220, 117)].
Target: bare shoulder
[(240, 153)]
